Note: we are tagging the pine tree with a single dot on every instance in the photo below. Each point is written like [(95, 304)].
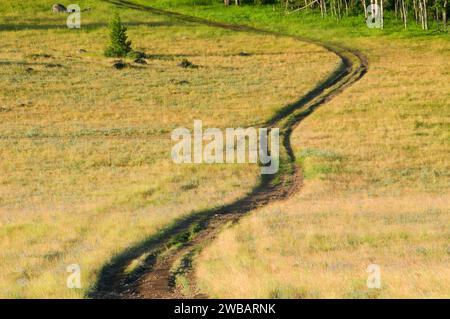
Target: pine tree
[(119, 46)]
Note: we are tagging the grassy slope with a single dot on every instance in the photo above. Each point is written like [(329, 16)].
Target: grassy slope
[(377, 177), (85, 149)]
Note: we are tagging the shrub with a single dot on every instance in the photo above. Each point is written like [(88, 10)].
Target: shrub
[(119, 46)]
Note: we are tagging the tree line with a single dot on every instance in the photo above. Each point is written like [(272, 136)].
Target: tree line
[(408, 11)]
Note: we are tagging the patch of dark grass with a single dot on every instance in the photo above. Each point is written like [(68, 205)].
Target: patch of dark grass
[(140, 61), (186, 236), (186, 64), (35, 56), (119, 65), (178, 82), (53, 65)]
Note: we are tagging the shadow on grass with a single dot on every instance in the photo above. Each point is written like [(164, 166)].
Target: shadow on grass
[(87, 26)]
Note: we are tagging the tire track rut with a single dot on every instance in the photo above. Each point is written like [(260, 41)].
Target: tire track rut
[(168, 255)]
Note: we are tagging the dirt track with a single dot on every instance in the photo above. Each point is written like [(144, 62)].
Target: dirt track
[(170, 254)]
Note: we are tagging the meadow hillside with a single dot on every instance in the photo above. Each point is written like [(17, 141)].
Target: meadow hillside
[(376, 177), (85, 149)]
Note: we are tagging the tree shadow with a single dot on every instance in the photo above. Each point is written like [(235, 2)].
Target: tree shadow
[(89, 26), (26, 63)]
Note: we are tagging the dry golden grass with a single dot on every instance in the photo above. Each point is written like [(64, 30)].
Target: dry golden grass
[(85, 149), (377, 191)]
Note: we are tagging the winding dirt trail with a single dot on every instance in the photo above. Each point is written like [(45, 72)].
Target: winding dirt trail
[(169, 255)]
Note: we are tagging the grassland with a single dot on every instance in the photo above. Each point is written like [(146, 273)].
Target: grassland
[(85, 149), (377, 182)]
